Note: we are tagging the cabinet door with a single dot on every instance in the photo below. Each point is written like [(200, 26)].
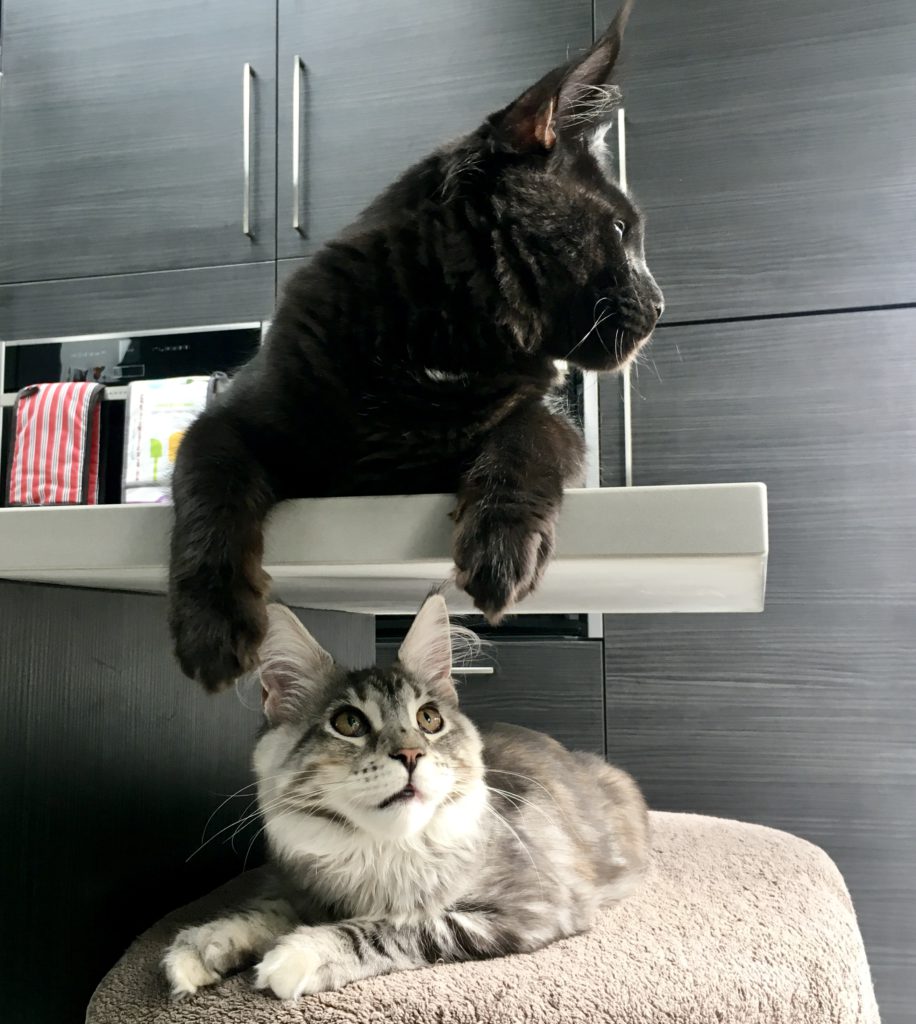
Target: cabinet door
[(380, 85), (773, 146), (121, 136)]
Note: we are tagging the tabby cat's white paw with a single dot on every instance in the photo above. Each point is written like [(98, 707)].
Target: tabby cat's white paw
[(293, 968), (203, 955), (186, 971)]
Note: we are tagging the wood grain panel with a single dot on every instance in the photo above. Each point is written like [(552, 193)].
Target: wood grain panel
[(121, 134), (134, 302), (552, 686), (112, 763), (384, 84), (804, 717), (773, 145)]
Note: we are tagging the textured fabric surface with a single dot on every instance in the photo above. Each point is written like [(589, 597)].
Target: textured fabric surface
[(54, 459), (735, 924)]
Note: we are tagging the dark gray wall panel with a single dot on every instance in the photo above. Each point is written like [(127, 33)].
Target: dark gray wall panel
[(803, 717), (773, 145), (111, 764), (101, 305), (553, 686), (121, 134)]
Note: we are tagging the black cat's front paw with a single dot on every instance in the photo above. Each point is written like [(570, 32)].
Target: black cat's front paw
[(501, 555), (215, 647)]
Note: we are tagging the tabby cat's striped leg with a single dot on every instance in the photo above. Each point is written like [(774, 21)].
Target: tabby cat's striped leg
[(315, 959)]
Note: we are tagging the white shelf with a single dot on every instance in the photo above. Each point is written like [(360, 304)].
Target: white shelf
[(696, 548)]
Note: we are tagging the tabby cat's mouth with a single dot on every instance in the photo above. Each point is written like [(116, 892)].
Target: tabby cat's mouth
[(402, 796)]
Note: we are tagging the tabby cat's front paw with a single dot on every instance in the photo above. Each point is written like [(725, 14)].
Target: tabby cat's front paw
[(199, 957), (295, 967), (501, 556)]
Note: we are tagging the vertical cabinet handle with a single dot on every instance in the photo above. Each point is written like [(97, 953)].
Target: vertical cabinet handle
[(247, 78), (298, 68), (626, 383)]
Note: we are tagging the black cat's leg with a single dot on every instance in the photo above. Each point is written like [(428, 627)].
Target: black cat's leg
[(508, 504), (222, 494)]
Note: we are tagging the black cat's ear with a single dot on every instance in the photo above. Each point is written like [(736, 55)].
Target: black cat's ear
[(529, 123), (570, 101), (426, 652), (291, 663)]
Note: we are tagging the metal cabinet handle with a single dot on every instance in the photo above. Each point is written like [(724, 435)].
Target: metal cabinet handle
[(474, 670), (298, 68), (247, 78), (626, 382)]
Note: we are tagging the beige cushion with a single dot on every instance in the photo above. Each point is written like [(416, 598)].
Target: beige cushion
[(735, 924)]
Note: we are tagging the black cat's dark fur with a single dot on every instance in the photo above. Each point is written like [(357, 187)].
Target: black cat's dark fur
[(415, 354)]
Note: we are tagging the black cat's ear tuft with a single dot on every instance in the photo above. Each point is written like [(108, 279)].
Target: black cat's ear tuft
[(291, 663), (586, 98), (569, 101)]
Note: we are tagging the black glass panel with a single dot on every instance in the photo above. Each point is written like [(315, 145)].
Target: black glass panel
[(121, 360)]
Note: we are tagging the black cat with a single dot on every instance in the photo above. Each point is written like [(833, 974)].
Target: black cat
[(414, 353)]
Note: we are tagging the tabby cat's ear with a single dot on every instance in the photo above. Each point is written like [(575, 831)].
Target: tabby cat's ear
[(571, 101), (291, 663), (426, 652)]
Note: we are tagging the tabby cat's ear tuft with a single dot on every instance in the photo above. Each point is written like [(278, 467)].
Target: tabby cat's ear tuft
[(426, 652), (291, 662)]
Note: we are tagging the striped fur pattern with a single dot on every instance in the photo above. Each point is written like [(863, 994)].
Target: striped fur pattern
[(397, 846)]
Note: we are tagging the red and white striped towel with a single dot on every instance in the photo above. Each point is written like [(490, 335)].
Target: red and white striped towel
[(56, 445)]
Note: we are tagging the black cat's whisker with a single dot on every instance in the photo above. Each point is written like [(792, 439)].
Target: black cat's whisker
[(600, 320)]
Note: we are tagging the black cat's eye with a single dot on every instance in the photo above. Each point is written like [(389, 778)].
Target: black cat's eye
[(350, 722), (620, 227), (429, 719)]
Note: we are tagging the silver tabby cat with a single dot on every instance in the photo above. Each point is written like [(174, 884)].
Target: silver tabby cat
[(400, 835)]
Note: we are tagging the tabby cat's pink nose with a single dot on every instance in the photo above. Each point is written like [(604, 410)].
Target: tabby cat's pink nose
[(408, 757)]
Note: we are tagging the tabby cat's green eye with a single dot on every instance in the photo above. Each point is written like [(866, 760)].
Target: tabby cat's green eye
[(429, 719), (350, 722)]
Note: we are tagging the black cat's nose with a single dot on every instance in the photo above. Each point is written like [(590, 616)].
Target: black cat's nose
[(659, 306), (408, 756)]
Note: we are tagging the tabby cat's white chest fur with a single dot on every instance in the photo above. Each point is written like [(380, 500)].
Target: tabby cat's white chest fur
[(404, 880)]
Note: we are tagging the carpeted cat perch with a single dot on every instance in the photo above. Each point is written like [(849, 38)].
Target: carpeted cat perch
[(735, 924)]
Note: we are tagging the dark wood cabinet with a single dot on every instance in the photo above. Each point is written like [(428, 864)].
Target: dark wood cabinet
[(133, 302), (121, 136), (381, 85), (803, 717), (554, 686), (773, 146)]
